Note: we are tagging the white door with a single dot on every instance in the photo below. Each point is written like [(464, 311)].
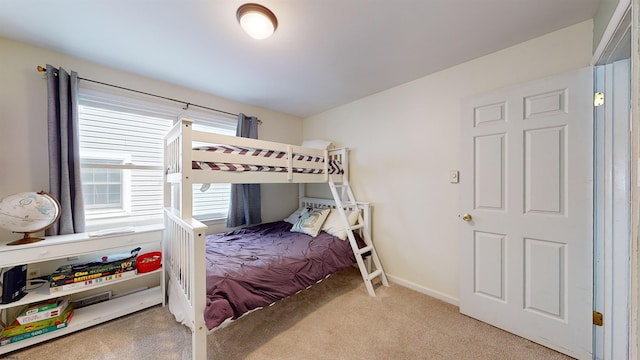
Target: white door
[(527, 184)]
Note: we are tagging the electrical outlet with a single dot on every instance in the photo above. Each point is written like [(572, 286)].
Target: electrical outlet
[(33, 273)]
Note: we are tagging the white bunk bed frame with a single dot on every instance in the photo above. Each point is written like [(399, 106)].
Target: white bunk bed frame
[(184, 237)]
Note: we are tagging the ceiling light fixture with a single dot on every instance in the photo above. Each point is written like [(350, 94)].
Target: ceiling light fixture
[(256, 20)]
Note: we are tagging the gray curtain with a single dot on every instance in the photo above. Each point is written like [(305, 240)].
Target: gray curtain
[(64, 159), (244, 205)]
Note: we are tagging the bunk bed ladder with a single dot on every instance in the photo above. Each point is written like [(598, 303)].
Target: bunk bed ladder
[(344, 199)]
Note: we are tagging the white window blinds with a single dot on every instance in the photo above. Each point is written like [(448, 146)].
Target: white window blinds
[(121, 150)]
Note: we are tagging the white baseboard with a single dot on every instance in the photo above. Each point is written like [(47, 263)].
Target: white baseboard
[(421, 289)]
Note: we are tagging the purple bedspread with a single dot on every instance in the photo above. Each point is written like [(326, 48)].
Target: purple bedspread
[(256, 266)]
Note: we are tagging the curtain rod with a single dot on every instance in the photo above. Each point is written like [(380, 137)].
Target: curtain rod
[(187, 104)]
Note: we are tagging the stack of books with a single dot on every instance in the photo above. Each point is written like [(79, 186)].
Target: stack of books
[(38, 319), (93, 273)]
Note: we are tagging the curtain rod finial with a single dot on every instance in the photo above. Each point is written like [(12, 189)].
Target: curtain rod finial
[(41, 69)]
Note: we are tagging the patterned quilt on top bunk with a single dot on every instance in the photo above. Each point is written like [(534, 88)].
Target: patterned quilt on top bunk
[(334, 166)]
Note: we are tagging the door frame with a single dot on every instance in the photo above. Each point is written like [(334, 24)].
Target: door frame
[(612, 211), (609, 42), (635, 189)]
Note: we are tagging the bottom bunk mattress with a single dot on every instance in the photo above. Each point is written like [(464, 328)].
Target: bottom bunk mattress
[(255, 266)]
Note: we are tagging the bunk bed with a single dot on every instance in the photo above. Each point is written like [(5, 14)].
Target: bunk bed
[(204, 293)]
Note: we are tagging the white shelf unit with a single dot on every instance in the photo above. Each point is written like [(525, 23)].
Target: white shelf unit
[(65, 246)]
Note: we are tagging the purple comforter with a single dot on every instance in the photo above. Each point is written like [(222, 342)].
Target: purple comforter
[(255, 266)]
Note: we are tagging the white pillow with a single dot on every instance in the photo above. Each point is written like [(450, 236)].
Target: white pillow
[(317, 144), (295, 216), (334, 225), (311, 221)]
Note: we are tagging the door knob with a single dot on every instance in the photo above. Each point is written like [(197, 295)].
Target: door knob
[(467, 217)]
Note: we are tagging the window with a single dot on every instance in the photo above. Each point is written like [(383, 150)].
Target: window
[(121, 151), (102, 188)]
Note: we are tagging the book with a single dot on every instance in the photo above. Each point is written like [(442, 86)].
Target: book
[(29, 316), (91, 282), (30, 334), (18, 329)]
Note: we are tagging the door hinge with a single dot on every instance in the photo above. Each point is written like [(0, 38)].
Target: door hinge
[(598, 99), (597, 318)]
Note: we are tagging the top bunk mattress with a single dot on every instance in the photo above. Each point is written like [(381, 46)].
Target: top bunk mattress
[(334, 167)]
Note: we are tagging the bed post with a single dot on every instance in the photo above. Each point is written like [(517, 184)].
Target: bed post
[(199, 292), (302, 193), (166, 186), (186, 193)]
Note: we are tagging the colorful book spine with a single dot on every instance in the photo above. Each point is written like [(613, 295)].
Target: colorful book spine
[(42, 315), (30, 334), (92, 282)]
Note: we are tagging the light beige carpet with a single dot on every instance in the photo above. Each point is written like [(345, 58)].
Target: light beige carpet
[(334, 319)]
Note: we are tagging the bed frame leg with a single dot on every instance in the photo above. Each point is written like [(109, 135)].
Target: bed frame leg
[(199, 343)]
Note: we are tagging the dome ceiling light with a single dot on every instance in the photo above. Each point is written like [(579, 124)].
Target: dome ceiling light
[(256, 20)]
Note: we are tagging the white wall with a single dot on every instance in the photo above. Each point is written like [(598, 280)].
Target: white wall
[(23, 120), (405, 140), (601, 19)]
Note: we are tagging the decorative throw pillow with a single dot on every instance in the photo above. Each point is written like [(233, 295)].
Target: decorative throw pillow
[(295, 216), (334, 225), (311, 221), (317, 144)]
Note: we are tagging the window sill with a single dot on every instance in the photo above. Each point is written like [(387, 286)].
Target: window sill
[(99, 224)]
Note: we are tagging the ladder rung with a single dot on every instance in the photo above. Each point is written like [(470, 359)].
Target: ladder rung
[(374, 274), (356, 227), (340, 186), (349, 204), (365, 249)]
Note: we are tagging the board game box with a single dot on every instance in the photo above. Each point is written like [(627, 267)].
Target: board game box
[(91, 282), (18, 329), (41, 306), (30, 334), (104, 266), (30, 316)]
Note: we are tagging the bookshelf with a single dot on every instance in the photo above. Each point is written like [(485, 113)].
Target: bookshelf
[(70, 246)]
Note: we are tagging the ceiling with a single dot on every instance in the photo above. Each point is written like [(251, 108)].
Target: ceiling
[(325, 53)]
